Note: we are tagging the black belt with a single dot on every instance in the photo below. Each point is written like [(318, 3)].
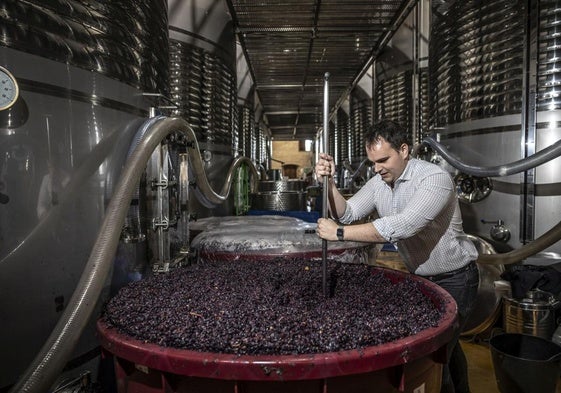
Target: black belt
[(442, 276)]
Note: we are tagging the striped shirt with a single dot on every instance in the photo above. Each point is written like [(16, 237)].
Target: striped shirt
[(420, 216)]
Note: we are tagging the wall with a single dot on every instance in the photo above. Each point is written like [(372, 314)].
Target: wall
[(288, 152)]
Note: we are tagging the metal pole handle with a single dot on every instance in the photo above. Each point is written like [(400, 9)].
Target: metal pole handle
[(325, 208)]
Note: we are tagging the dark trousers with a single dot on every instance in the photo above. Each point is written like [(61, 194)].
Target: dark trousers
[(463, 288)]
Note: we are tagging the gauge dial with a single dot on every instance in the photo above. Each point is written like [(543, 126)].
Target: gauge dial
[(9, 89)]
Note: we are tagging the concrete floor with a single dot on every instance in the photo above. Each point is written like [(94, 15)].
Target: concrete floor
[(480, 367)]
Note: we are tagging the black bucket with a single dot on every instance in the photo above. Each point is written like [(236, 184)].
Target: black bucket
[(525, 364)]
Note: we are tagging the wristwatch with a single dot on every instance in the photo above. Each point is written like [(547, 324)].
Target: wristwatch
[(341, 233)]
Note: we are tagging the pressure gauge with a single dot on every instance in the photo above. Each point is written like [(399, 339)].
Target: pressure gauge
[(9, 89)]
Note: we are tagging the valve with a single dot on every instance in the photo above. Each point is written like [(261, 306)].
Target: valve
[(163, 183), (472, 188), (498, 231), (163, 223)]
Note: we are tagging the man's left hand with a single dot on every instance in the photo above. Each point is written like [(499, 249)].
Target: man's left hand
[(327, 229)]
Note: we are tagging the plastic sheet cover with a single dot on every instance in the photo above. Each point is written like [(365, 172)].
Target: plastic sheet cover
[(265, 236)]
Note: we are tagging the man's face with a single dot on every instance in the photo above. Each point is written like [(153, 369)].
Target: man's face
[(388, 162)]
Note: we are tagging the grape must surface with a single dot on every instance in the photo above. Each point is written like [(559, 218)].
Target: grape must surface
[(271, 308)]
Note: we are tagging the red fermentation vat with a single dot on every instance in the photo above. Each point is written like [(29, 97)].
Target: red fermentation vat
[(412, 364)]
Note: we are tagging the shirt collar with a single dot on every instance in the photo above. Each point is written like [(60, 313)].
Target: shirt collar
[(407, 173)]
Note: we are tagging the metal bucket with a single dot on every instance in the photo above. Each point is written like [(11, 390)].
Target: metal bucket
[(535, 314)]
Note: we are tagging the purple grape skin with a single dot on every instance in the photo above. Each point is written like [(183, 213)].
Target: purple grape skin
[(270, 308)]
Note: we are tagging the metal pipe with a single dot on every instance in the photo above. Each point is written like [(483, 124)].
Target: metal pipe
[(355, 173), (161, 221), (184, 200), (541, 157), (325, 179)]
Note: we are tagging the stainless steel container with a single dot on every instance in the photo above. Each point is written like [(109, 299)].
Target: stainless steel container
[(535, 314), (487, 307), (279, 201), (282, 185), (482, 110), (274, 174), (82, 68)]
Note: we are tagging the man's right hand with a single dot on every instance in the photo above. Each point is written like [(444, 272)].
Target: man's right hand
[(324, 167)]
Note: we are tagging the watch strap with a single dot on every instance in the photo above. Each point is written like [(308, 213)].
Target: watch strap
[(341, 233)]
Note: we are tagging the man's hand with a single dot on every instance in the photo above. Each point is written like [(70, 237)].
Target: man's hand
[(324, 167), (327, 229)]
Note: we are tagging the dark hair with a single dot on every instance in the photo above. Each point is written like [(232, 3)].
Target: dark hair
[(388, 130)]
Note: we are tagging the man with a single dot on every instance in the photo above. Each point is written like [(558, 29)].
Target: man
[(420, 214)]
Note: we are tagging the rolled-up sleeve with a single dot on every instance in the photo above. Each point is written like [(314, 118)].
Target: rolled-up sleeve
[(384, 230), (361, 204)]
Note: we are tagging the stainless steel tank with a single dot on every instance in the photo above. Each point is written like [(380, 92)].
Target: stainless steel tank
[(360, 119), (82, 69), (246, 128), (341, 137), (394, 96), (284, 185), (203, 84), (494, 101)]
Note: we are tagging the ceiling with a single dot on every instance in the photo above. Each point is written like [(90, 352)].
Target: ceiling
[(291, 44)]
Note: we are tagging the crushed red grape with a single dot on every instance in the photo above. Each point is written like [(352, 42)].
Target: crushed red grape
[(271, 308)]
